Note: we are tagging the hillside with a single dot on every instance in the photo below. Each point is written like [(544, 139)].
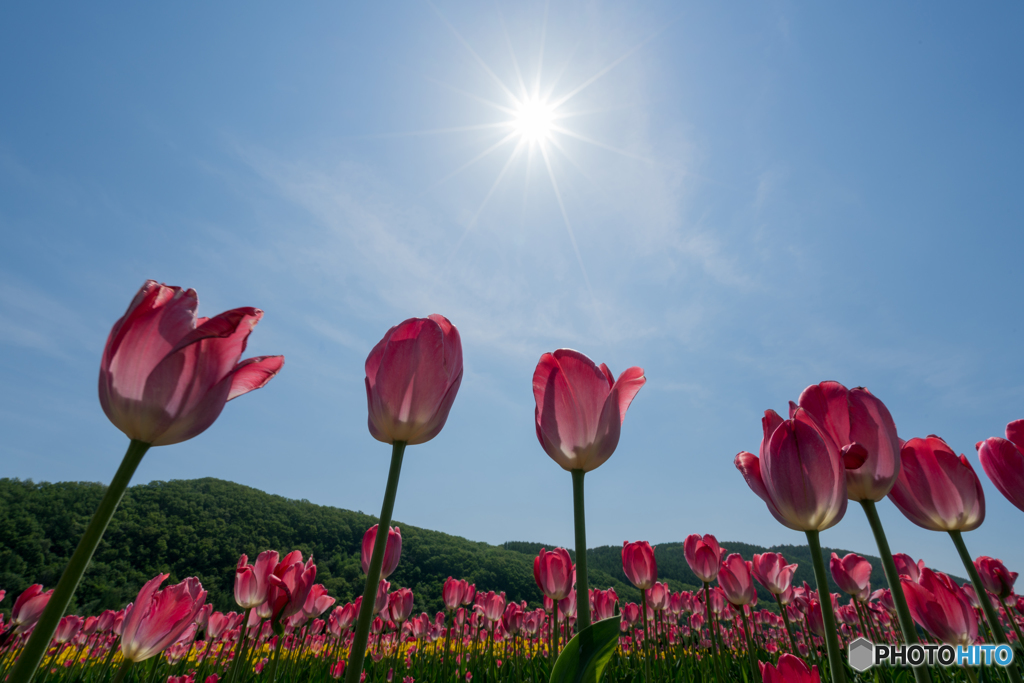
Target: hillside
[(200, 527)]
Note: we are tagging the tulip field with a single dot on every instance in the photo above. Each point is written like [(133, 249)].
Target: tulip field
[(166, 375)]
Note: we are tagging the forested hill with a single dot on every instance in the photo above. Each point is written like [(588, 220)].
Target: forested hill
[(200, 527)]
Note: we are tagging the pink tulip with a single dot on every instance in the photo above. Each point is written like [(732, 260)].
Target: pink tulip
[(452, 592), (603, 605), (772, 572), (940, 606), (252, 581), (937, 490), (658, 597), (392, 551), (158, 618), (704, 556), (29, 607), (995, 578), (862, 428), (554, 573), (68, 628), (815, 619), (217, 624), (1003, 462), (400, 604), (791, 669), (290, 584), (166, 375), (317, 602), (638, 564), (852, 574), (491, 605), (381, 602), (905, 566), (800, 474), (735, 579), (567, 605), (412, 377), (631, 613), (581, 408)]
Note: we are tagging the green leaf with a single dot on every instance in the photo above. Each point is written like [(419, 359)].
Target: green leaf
[(585, 656)]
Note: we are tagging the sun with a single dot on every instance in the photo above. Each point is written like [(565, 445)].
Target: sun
[(534, 120)]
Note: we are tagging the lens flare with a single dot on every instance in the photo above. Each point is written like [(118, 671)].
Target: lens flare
[(534, 120)]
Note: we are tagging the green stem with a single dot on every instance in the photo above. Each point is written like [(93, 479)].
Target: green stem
[(27, 664), (990, 613), (892, 577), (789, 629), (1013, 622), (647, 635), (835, 657), (122, 671), (582, 586), (358, 651), (754, 673)]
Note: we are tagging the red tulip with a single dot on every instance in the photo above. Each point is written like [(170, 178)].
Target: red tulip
[(317, 601), (815, 619), (290, 584), (1003, 462), (452, 592), (800, 474), (29, 607), (772, 572), (491, 605), (166, 375), (68, 628), (392, 551), (400, 604), (631, 613), (554, 573), (937, 490), (735, 579), (704, 556), (940, 606), (412, 377), (580, 408), (252, 581), (159, 617), (638, 564), (657, 597), (995, 578), (862, 428), (791, 669), (852, 574), (603, 604), (905, 566)]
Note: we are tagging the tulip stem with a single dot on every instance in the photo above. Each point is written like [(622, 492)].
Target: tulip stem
[(582, 587), (358, 650), (1013, 622), (892, 577), (990, 613), (835, 657), (28, 663), (123, 670)]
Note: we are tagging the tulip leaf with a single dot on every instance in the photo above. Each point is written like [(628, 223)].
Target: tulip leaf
[(585, 657)]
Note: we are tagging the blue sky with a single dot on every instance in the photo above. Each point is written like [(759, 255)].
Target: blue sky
[(750, 199)]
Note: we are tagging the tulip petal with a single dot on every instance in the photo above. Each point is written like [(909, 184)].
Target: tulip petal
[(629, 383), (253, 373), (1003, 462)]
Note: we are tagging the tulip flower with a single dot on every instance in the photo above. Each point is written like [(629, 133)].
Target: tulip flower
[(392, 553), (68, 628), (1003, 462), (412, 377), (906, 566), (252, 581), (317, 601), (159, 617), (853, 575), (790, 669), (165, 377), (641, 569), (554, 573), (400, 604), (937, 490), (998, 581), (290, 584), (28, 607), (452, 592), (940, 607), (580, 408), (801, 477), (861, 427), (704, 556), (737, 584), (772, 572)]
